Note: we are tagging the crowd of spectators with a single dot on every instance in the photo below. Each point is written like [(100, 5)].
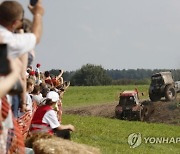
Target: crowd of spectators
[(37, 93)]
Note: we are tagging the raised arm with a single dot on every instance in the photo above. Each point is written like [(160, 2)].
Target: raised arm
[(37, 25), (8, 81)]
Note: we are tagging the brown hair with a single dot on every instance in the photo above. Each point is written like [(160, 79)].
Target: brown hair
[(46, 74), (36, 89), (49, 102), (29, 83), (9, 12)]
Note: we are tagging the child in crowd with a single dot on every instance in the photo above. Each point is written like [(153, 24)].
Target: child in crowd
[(37, 68), (36, 95), (29, 102)]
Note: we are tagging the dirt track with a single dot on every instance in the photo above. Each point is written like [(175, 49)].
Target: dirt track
[(164, 112)]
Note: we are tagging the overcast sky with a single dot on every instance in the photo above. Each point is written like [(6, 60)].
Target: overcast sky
[(116, 34)]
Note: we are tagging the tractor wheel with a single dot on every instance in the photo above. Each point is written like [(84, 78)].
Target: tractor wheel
[(118, 114), (140, 115), (170, 93), (145, 112), (154, 97), (148, 109)]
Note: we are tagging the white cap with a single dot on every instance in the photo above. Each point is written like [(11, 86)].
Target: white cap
[(54, 96)]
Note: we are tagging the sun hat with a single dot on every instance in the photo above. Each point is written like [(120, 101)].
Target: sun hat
[(54, 96), (38, 65), (32, 73)]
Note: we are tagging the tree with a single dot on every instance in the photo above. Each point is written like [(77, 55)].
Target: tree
[(90, 75)]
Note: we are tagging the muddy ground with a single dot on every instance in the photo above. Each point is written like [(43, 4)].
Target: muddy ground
[(159, 112)]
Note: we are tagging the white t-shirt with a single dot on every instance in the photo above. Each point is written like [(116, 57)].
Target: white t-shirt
[(18, 44), (29, 105), (37, 70), (29, 102), (50, 118)]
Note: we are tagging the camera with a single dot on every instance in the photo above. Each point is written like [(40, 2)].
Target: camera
[(4, 62), (33, 2), (5, 69)]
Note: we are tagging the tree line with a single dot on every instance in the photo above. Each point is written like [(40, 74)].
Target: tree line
[(93, 75)]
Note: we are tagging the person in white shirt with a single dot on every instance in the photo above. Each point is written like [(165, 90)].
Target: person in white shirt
[(37, 68), (29, 102), (11, 19), (45, 119), (36, 95), (30, 88)]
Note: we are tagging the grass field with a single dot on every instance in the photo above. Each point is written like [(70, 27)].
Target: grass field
[(83, 96), (111, 135)]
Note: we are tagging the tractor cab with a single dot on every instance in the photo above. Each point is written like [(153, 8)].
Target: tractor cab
[(129, 98)]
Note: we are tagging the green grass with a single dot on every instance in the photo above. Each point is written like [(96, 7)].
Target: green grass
[(83, 96), (110, 135)]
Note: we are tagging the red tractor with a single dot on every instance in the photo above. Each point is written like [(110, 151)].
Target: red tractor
[(130, 107)]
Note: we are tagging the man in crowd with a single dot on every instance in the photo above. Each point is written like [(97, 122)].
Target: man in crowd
[(11, 19), (45, 119)]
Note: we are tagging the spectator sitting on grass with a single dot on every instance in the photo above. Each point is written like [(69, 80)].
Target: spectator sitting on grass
[(45, 119)]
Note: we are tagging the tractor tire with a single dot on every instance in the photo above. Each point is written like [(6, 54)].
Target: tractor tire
[(148, 108), (170, 93), (118, 114), (140, 115), (154, 97), (145, 113)]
